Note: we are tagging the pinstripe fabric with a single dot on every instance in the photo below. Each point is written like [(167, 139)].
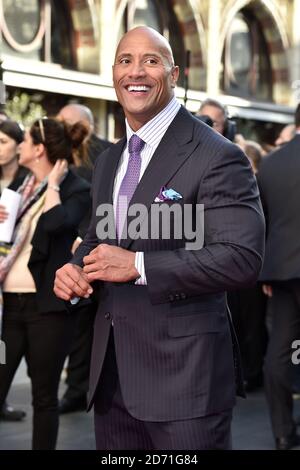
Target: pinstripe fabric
[(116, 429)]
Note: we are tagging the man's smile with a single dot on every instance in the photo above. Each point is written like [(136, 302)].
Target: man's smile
[(138, 90)]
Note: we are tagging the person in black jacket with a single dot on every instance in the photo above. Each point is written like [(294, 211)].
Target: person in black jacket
[(35, 323), (217, 112), (279, 183), (11, 176)]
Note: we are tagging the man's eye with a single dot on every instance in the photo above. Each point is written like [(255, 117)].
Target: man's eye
[(124, 61), (151, 61)]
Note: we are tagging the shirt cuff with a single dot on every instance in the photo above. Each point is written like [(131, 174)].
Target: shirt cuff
[(140, 267)]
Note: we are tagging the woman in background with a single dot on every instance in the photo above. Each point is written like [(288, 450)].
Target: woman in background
[(35, 323)]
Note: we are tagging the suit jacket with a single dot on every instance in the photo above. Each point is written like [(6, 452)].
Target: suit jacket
[(279, 184), (96, 146), (53, 238), (172, 337)]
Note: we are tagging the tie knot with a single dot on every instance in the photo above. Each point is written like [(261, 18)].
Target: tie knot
[(135, 144)]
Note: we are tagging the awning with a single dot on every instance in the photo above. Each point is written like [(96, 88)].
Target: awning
[(277, 115), (247, 109), (43, 76), (35, 75)]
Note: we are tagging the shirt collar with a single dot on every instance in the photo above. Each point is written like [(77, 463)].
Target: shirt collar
[(152, 132)]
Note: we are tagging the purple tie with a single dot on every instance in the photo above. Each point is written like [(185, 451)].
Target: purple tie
[(130, 181)]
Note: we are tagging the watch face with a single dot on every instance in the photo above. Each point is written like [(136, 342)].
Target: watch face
[(21, 21)]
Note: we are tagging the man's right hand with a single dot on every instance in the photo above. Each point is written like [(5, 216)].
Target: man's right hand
[(71, 281)]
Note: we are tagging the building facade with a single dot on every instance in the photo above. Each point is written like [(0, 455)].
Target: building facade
[(245, 53)]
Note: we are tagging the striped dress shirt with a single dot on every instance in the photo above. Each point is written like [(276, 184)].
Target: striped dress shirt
[(151, 133)]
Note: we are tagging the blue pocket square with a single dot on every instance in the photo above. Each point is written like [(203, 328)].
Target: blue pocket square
[(166, 194)]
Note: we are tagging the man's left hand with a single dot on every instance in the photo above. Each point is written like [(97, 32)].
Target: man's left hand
[(110, 263)]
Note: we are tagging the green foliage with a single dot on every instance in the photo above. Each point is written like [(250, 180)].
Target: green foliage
[(24, 108)]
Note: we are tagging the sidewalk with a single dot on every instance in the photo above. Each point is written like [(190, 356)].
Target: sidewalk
[(251, 427)]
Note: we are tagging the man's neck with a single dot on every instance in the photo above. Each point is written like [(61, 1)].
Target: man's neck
[(137, 122)]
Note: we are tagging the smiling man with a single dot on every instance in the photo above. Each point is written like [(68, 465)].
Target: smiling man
[(162, 372)]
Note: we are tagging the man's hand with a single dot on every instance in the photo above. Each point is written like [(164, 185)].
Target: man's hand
[(58, 171), (110, 263), (71, 281)]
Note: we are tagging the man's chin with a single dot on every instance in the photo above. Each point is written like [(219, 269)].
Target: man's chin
[(142, 111)]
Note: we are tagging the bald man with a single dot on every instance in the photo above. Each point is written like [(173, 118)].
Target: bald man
[(162, 371), (73, 113)]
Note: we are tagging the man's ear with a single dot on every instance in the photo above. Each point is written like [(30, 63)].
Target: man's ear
[(174, 75)]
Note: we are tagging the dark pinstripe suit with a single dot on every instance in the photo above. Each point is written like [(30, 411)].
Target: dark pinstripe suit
[(172, 340)]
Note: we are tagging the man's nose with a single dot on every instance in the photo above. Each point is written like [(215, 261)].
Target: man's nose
[(137, 69)]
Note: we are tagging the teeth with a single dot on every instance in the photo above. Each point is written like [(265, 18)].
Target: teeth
[(138, 88)]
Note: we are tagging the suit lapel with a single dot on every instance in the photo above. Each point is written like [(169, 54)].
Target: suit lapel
[(105, 195), (175, 147)]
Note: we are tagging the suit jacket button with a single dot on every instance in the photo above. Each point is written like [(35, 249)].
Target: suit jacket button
[(171, 297), (177, 296), (107, 316)]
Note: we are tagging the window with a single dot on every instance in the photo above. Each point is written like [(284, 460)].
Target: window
[(22, 24), (61, 35), (157, 14), (146, 12), (246, 64)]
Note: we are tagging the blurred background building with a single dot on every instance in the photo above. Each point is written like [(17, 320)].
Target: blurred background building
[(244, 53)]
